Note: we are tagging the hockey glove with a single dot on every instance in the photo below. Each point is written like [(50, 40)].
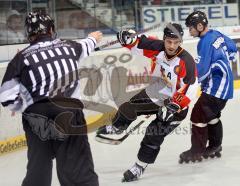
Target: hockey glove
[(166, 112), (126, 37)]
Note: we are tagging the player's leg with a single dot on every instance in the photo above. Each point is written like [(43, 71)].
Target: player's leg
[(198, 141), (215, 135), (215, 131), (74, 158), (199, 135), (40, 155), (150, 145), (204, 111), (140, 104), (40, 134), (74, 162)]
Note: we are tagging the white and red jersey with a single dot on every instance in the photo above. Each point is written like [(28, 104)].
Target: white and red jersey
[(172, 76)]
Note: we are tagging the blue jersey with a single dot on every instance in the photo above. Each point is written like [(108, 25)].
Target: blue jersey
[(215, 51)]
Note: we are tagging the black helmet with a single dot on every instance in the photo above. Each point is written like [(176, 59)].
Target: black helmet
[(38, 23), (173, 30), (196, 17)]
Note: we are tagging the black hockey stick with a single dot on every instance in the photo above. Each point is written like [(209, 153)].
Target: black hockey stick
[(111, 141), (116, 41)]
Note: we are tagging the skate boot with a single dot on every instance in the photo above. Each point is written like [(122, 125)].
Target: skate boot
[(189, 155), (108, 129), (212, 152), (109, 134), (133, 173)]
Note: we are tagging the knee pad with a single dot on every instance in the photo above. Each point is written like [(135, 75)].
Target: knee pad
[(148, 153), (214, 121), (200, 125)]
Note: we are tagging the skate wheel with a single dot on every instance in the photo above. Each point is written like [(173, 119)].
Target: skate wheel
[(180, 161), (123, 180), (212, 155), (183, 161), (205, 156), (218, 154)]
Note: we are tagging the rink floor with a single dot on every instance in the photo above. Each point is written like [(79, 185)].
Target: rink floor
[(112, 161)]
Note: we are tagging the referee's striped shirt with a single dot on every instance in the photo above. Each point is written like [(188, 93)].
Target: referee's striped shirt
[(46, 68)]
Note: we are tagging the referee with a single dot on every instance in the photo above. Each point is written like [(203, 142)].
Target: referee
[(42, 82)]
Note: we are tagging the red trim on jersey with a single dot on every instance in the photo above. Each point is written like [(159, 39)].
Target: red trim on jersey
[(132, 45), (153, 65), (148, 53), (181, 99), (151, 54), (181, 73), (182, 69)]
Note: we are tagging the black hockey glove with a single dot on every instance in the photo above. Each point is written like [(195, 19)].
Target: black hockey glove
[(126, 37), (166, 112)]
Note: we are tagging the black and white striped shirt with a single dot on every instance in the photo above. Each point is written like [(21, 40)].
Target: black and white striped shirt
[(46, 68)]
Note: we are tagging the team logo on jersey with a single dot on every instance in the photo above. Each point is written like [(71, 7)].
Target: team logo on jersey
[(166, 78), (197, 60), (218, 42), (177, 69)]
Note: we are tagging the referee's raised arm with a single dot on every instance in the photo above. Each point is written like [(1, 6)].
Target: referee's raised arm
[(89, 44), (42, 81)]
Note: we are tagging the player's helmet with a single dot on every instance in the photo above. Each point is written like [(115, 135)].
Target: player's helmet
[(38, 23), (196, 17), (173, 30)]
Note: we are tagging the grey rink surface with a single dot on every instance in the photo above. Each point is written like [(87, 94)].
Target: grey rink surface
[(111, 161)]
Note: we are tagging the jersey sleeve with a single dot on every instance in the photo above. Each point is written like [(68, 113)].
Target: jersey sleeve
[(187, 84), (230, 49), (85, 47), (10, 88), (146, 46), (211, 49), (205, 52)]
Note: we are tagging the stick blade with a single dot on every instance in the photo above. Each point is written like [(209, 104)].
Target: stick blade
[(106, 140)]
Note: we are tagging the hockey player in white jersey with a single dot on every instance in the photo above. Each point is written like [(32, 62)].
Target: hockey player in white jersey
[(174, 79), (215, 51)]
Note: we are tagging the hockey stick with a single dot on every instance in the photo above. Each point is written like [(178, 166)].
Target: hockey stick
[(116, 41), (111, 141)]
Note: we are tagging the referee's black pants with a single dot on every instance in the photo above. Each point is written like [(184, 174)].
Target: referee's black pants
[(74, 161)]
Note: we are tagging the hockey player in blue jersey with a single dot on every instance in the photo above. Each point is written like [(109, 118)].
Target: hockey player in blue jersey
[(215, 52)]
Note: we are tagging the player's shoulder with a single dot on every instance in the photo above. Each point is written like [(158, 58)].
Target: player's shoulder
[(186, 56), (72, 43), (218, 38), (75, 43), (212, 39), (68, 41), (213, 35), (210, 36)]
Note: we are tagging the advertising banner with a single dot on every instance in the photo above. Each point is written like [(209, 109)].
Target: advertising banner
[(218, 14)]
